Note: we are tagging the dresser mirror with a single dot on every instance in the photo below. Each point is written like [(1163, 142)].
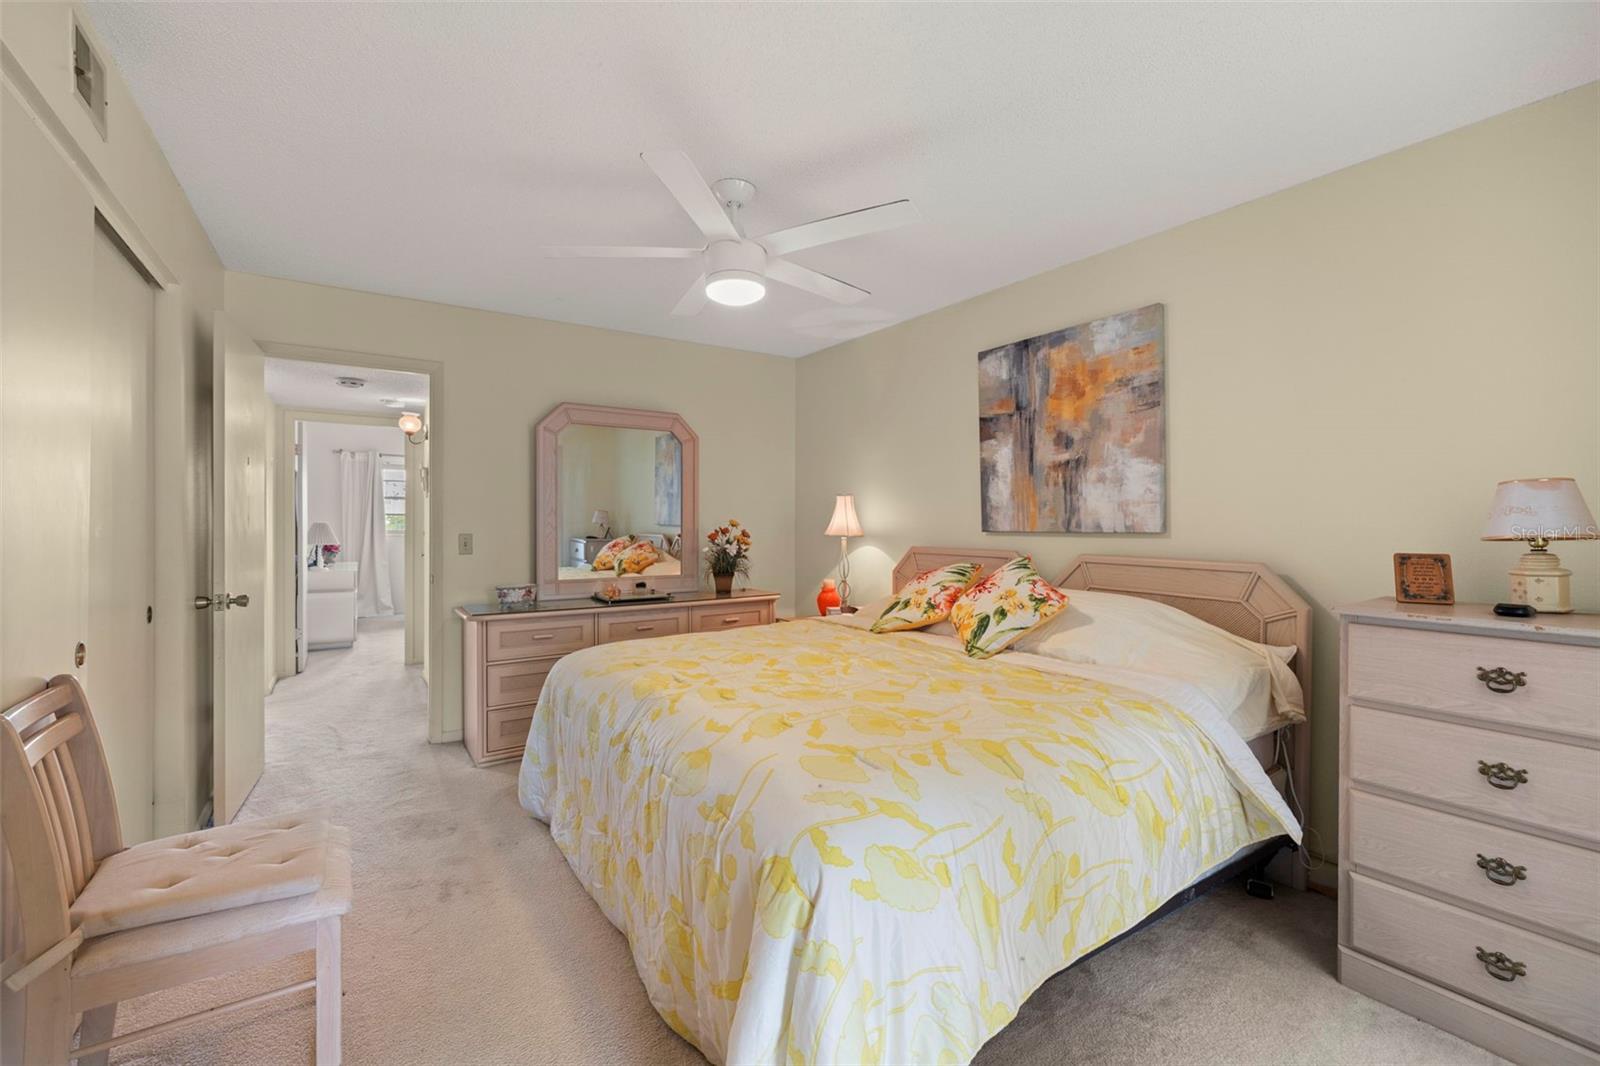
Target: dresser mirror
[(606, 473)]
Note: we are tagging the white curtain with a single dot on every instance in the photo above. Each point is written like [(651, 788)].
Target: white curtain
[(361, 528)]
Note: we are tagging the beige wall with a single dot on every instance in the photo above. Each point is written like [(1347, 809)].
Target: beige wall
[(1351, 366), (58, 172), (501, 374)]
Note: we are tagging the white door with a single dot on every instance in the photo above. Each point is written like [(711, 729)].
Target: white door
[(239, 415), (121, 645)]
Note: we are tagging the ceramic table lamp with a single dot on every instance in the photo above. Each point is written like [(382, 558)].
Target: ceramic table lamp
[(1539, 510), (603, 520), (844, 525)]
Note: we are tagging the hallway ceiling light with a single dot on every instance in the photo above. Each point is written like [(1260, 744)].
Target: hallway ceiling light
[(412, 426)]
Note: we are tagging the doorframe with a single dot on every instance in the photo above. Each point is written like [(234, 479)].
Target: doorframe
[(434, 631), (283, 525)]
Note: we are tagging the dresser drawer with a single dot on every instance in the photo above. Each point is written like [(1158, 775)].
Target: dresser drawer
[(506, 684), (635, 625), (1443, 761), (1441, 943), (711, 619), (1559, 886), (1439, 672), (525, 638), (506, 730)]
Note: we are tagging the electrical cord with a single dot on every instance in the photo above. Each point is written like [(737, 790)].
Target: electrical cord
[(1309, 859)]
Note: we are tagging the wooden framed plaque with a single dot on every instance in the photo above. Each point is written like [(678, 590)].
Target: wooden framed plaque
[(1421, 578)]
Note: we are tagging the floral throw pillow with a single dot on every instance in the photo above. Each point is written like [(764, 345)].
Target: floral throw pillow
[(606, 558), (996, 611), (637, 558), (926, 598)]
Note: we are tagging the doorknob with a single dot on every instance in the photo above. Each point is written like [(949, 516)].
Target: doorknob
[(221, 601)]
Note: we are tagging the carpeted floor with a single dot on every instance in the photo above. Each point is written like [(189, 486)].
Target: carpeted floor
[(471, 942)]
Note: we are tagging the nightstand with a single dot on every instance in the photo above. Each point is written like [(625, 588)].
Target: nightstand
[(582, 550)]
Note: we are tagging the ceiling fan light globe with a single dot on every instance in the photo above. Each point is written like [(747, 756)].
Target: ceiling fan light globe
[(735, 288)]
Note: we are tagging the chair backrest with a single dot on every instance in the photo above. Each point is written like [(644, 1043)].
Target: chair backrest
[(60, 813)]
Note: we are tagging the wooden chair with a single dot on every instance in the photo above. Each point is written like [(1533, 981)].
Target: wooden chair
[(98, 923)]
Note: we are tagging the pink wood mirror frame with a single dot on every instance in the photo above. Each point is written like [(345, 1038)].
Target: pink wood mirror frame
[(547, 496)]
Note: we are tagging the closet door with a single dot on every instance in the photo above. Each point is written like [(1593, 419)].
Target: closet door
[(121, 647), (45, 267)]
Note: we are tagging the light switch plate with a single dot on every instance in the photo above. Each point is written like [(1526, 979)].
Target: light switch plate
[(464, 544)]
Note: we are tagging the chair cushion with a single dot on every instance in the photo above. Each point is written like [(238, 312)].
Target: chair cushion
[(199, 873), (168, 939)]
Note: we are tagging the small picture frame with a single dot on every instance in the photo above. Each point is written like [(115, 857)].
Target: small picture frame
[(1421, 577)]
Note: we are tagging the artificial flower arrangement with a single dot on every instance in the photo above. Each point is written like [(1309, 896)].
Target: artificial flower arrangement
[(330, 554), (727, 554)]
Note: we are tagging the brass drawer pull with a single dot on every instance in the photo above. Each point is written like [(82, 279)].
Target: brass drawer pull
[(1500, 966), (1501, 680), (1501, 872), (1501, 775)]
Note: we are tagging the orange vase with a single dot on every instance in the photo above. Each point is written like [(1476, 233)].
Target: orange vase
[(828, 597)]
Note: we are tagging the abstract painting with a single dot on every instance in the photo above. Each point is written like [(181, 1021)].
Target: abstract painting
[(1072, 429), (669, 481)]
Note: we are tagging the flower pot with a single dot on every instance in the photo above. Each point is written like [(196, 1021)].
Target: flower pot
[(723, 583), (827, 597)]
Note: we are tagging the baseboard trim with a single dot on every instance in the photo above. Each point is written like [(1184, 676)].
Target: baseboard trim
[(1502, 1034), (452, 737)]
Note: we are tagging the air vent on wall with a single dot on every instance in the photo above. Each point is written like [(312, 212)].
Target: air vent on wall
[(350, 383), (89, 77)]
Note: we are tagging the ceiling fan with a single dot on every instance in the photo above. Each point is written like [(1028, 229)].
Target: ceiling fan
[(736, 267)]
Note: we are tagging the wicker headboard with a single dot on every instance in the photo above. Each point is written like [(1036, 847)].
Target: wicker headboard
[(919, 558), (1246, 599)]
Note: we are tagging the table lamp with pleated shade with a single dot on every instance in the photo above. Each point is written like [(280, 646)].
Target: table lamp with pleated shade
[(1539, 510), (844, 525)]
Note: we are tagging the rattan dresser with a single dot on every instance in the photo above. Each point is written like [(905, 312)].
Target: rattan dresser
[(1469, 812)]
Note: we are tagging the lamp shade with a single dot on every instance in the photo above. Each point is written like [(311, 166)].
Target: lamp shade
[(1547, 507), (600, 518), (320, 534), (844, 522)]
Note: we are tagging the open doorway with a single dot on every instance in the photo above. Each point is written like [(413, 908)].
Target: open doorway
[(350, 538)]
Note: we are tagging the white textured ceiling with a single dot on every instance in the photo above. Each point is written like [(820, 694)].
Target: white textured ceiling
[(297, 384), (428, 150)]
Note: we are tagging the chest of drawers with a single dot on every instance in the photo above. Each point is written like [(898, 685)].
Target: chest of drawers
[(1469, 814), (505, 655)]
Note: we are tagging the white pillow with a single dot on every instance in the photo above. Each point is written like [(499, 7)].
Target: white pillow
[(1246, 680)]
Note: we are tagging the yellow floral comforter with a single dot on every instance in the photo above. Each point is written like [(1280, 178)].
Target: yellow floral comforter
[(830, 846)]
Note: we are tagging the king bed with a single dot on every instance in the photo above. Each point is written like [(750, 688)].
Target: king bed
[(826, 844)]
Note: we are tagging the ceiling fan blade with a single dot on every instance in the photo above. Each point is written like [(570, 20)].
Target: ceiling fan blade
[(841, 227), (677, 172), (694, 299), (814, 281), (623, 252)]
